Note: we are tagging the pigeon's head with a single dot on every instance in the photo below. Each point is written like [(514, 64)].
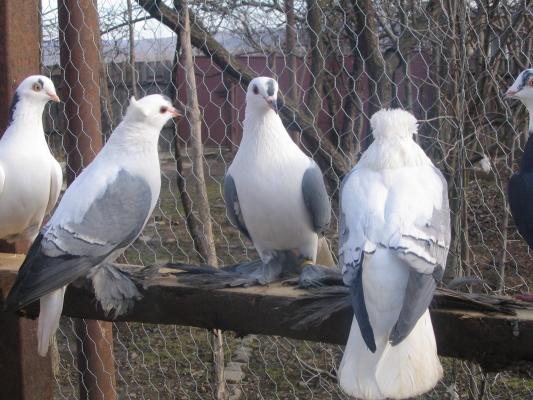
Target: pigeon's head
[(37, 89), (154, 110), (262, 94), (522, 88), (393, 123)]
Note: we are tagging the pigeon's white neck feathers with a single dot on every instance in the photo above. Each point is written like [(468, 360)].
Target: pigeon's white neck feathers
[(26, 119), (264, 132), (133, 137), (393, 145)]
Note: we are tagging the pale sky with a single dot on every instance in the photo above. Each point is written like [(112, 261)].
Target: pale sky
[(111, 12)]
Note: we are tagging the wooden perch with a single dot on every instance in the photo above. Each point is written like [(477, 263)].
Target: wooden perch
[(495, 331)]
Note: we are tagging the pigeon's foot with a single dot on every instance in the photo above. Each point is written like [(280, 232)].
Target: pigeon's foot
[(314, 275)]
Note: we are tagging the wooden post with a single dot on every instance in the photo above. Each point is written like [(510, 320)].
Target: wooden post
[(24, 375), (79, 38)]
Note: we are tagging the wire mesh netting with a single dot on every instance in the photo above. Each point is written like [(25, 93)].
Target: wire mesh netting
[(337, 62)]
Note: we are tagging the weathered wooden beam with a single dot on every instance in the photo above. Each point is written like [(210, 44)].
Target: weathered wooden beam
[(494, 331)]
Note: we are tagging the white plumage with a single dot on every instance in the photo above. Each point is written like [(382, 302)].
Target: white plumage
[(30, 177), (394, 237), (268, 171), (101, 213)]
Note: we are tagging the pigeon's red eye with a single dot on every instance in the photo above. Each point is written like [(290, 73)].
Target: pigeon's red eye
[(531, 82), (163, 110), (256, 90)]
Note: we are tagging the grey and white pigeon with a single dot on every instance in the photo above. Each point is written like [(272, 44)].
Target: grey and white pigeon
[(274, 194), (30, 177), (394, 238), (101, 213)]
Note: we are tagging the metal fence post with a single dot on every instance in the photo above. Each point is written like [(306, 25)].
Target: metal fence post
[(79, 38), (24, 374)]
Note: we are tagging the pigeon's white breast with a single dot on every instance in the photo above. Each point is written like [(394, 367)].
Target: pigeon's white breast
[(269, 187), (26, 191)]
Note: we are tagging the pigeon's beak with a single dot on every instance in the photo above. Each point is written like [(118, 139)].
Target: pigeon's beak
[(272, 103), (175, 113), (53, 97), (510, 94)]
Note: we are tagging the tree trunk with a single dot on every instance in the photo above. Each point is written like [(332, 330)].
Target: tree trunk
[(194, 117), (290, 45), (131, 32)]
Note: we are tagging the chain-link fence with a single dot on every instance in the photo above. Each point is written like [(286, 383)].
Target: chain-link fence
[(337, 63)]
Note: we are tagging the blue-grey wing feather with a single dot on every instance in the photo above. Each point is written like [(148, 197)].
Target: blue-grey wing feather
[(435, 242), (233, 206), (66, 252), (316, 198)]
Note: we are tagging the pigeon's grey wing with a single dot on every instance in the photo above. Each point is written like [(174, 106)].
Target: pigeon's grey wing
[(352, 242), (56, 181), (69, 250), (233, 206), (316, 198), (425, 250), (359, 308)]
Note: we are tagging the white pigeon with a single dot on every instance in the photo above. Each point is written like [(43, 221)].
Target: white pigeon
[(30, 177), (274, 193), (101, 213), (394, 238)]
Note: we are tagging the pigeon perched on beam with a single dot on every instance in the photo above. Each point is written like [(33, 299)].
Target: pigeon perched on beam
[(521, 183), (394, 238), (101, 213), (30, 177), (274, 194)]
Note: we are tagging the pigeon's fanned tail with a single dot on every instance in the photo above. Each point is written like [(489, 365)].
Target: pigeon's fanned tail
[(49, 315)]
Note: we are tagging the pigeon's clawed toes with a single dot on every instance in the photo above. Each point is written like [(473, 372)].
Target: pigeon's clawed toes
[(314, 275)]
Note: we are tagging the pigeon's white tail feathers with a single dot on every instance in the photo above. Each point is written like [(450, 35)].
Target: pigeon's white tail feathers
[(393, 122), (51, 306), (393, 372), (113, 289), (356, 372), (419, 366)]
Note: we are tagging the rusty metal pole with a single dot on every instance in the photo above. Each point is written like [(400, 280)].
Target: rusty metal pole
[(24, 375), (79, 38)]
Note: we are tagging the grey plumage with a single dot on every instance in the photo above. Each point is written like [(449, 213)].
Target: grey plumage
[(233, 208), (316, 198), (421, 285), (114, 289), (69, 251)]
